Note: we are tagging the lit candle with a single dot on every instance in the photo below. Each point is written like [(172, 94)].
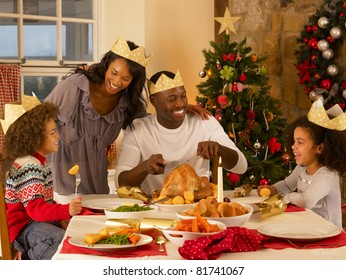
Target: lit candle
[(220, 182)]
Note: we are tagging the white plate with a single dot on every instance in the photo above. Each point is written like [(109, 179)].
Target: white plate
[(131, 215), (105, 201), (174, 207), (79, 241), (299, 231)]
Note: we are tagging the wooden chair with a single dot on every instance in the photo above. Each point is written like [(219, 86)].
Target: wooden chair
[(6, 251)]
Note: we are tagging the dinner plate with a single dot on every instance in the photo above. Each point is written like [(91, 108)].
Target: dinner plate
[(299, 231), (102, 202), (79, 241)]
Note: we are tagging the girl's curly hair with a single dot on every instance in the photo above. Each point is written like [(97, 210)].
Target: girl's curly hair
[(27, 134), (334, 143)]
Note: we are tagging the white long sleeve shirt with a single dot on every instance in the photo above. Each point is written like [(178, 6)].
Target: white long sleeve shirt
[(149, 137), (319, 192)]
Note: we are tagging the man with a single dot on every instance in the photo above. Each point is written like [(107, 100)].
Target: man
[(172, 135)]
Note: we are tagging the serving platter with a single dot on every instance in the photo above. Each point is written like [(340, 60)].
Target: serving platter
[(102, 202), (299, 231), (79, 242)]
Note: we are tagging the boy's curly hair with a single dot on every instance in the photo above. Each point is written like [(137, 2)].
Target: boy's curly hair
[(27, 134), (334, 143)]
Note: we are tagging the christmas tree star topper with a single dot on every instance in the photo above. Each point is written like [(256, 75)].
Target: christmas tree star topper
[(227, 22)]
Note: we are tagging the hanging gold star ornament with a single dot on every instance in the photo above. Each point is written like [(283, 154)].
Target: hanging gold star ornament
[(227, 22)]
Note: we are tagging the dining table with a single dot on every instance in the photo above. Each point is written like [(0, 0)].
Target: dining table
[(81, 224)]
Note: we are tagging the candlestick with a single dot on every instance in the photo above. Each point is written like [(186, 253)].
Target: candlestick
[(220, 182)]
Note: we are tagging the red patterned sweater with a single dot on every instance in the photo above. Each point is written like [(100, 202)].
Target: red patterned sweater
[(29, 194)]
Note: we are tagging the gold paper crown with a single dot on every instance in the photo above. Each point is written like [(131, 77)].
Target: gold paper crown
[(14, 111), (334, 118), (164, 83), (121, 48)]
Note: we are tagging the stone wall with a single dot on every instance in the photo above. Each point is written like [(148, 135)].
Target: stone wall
[(271, 28)]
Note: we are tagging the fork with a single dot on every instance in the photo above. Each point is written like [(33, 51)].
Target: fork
[(311, 245), (78, 179)]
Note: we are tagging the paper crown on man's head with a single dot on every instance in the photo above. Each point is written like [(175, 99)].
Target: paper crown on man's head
[(137, 55), (165, 83), (14, 111), (334, 118)]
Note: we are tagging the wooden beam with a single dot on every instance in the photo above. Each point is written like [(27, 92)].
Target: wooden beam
[(219, 11)]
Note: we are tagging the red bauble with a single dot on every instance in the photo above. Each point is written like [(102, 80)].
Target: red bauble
[(314, 27), (330, 39), (313, 56), (313, 44), (308, 28), (286, 157), (242, 77), (233, 178), (263, 182), (250, 114), (326, 83), (237, 108), (222, 100), (235, 87)]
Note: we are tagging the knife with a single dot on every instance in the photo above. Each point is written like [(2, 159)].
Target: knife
[(172, 165)]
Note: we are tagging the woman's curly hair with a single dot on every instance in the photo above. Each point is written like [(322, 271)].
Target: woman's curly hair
[(334, 143), (27, 134)]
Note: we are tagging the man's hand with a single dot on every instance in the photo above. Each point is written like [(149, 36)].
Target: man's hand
[(208, 149), (155, 164)]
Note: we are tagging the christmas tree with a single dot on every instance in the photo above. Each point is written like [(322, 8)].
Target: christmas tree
[(317, 55), (237, 93)]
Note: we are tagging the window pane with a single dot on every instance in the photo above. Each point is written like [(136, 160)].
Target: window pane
[(77, 9), (77, 41), (9, 6), (9, 30), (39, 39), (39, 7), (41, 86)]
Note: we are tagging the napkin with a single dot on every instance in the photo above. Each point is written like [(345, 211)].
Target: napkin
[(232, 239), (86, 211), (331, 242), (294, 208), (150, 249)]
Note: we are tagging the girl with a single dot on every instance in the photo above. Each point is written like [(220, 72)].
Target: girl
[(320, 154), (34, 219)]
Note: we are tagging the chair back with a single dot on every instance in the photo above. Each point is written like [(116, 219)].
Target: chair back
[(6, 251)]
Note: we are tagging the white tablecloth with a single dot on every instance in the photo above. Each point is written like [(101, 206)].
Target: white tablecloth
[(80, 225)]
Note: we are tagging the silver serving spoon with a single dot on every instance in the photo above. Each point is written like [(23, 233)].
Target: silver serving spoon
[(160, 240), (157, 201)]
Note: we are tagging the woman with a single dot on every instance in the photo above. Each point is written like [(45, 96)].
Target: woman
[(95, 104)]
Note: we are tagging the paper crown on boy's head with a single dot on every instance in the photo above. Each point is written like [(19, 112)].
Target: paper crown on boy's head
[(164, 83), (334, 118), (14, 111), (137, 55)]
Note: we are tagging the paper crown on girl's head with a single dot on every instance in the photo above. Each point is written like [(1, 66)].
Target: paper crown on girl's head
[(334, 118), (14, 111), (121, 48), (164, 83)]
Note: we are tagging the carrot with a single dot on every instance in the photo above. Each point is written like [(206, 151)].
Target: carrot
[(205, 226), (126, 230), (194, 227), (134, 238)]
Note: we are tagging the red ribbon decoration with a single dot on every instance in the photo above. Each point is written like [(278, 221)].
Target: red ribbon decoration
[(226, 57)]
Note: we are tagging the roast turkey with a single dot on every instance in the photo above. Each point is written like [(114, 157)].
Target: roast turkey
[(184, 178)]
